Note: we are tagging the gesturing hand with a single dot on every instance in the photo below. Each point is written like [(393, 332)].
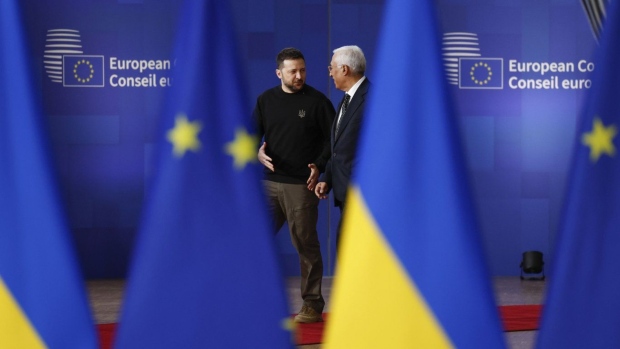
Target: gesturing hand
[(264, 159), (314, 176), (321, 190)]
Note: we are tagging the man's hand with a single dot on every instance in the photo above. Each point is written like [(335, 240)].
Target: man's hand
[(264, 159), (321, 190), (314, 176)]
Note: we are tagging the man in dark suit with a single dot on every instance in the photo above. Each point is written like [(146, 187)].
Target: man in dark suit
[(347, 68)]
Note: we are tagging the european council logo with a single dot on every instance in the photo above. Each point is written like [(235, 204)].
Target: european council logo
[(82, 71), (455, 46), (481, 73), (60, 42)]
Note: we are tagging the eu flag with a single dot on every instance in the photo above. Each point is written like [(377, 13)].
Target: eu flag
[(582, 308), (43, 303), (205, 272), (481, 73), (411, 269), (83, 71)]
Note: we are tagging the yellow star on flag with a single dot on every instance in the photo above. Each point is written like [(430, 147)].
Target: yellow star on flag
[(291, 326), (600, 140), (243, 148), (184, 135)]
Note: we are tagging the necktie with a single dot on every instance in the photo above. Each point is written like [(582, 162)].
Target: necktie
[(344, 106)]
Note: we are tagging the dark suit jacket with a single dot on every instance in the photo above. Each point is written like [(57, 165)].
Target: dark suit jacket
[(344, 145)]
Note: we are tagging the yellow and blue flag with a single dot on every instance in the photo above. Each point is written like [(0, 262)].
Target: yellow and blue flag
[(83, 71), (411, 270), (205, 272), (43, 301), (481, 73), (582, 307)]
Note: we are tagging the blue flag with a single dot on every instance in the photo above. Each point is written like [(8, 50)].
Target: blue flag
[(481, 73), (43, 302), (411, 269), (82, 71), (205, 272), (582, 308)]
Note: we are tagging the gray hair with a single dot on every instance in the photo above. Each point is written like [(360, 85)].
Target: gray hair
[(351, 56)]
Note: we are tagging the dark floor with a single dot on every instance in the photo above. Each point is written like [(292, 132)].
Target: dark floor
[(106, 297)]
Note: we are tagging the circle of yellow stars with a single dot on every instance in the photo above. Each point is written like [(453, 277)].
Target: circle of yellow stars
[(77, 65), (483, 66), (600, 139)]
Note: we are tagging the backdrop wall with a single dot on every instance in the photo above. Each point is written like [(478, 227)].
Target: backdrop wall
[(517, 138)]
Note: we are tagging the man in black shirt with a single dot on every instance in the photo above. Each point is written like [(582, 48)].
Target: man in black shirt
[(295, 121)]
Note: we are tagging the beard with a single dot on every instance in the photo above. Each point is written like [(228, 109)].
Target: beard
[(295, 88)]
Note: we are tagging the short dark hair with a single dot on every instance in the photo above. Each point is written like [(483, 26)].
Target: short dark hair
[(288, 53)]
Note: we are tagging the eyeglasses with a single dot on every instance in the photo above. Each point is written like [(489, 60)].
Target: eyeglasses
[(329, 67)]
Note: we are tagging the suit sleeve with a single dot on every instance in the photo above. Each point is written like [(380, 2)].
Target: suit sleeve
[(325, 119), (327, 176)]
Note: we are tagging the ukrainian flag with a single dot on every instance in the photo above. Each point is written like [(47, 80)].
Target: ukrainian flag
[(43, 303), (582, 308), (411, 270)]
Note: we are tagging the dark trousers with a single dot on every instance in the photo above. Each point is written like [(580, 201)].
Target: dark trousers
[(340, 205), (298, 206)]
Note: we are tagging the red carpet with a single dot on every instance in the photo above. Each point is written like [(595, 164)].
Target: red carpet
[(106, 335), (520, 317), (514, 318)]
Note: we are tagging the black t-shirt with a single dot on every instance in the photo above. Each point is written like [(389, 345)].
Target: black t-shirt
[(296, 127)]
